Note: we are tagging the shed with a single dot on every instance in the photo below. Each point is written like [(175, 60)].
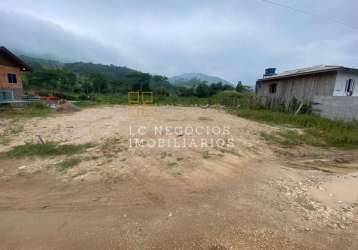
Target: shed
[(306, 83)]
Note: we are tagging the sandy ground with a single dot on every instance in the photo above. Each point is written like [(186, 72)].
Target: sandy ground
[(240, 193)]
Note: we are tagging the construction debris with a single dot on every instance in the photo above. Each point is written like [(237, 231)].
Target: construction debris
[(66, 107)]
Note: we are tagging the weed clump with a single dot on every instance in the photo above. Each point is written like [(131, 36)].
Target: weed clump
[(45, 150)]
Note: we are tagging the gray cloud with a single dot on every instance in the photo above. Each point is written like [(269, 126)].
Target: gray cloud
[(40, 38), (231, 39)]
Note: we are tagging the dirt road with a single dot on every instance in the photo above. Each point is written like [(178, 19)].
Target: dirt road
[(239, 192)]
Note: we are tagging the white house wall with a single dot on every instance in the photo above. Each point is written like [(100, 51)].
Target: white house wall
[(341, 80)]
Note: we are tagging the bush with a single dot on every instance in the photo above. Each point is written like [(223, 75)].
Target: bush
[(62, 95)]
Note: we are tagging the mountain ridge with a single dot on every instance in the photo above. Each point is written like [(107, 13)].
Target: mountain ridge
[(188, 79)]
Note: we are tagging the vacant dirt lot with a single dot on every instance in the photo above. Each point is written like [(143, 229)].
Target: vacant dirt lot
[(248, 195)]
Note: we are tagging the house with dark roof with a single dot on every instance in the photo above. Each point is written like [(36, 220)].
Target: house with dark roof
[(11, 68), (306, 83)]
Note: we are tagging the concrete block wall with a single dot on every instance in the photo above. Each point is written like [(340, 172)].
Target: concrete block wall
[(336, 107)]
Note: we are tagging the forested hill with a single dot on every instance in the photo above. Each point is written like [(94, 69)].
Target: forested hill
[(111, 72), (39, 63), (80, 77), (85, 79)]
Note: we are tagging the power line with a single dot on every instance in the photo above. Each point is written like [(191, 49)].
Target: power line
[(310, 14)]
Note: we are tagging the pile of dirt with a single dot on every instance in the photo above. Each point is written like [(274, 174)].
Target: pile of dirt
[(67, 107)]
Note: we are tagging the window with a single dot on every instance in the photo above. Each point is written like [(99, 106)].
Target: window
[(273, 88), (11, 78), (349, 87)]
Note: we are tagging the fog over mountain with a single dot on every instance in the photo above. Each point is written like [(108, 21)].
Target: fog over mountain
[(198, 76), (43, 39), (233, 39)]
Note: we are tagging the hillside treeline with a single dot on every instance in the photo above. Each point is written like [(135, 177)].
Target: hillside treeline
[(52, 77)]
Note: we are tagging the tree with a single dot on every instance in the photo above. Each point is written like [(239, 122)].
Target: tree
[(86, 86), (184, 91), (99, 83), (161, 86), (215, 87), (242, 88), (139, 81), (202, 90), (67, 80)]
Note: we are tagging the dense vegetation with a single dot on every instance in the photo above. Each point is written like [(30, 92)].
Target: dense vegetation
[(85, 79)]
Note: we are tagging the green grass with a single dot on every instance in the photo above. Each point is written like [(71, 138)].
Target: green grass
[(45, 150), (177, 100), (103, 100), (318, 131), (67, 164), (86, 104), (226, 98), (34, 110)]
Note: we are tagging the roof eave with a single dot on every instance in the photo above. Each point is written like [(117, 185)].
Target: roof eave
[(272, 78), (22, 65)]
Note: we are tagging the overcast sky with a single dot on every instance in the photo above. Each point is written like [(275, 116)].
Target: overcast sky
[(234, 40)]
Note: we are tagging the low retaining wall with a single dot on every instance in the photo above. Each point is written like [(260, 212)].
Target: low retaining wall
[(336, 107)]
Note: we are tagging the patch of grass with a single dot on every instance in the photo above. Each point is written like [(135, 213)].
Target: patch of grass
[(86, 104), (67, 164), (172, 164), (181, 101), (317, 131), (34, 110), (113, 146), (225, 98), (45, 150), (292, 138), (103, 100), (112, 99)]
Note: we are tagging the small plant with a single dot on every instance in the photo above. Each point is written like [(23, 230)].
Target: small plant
[(172, 164), (67, 164)]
